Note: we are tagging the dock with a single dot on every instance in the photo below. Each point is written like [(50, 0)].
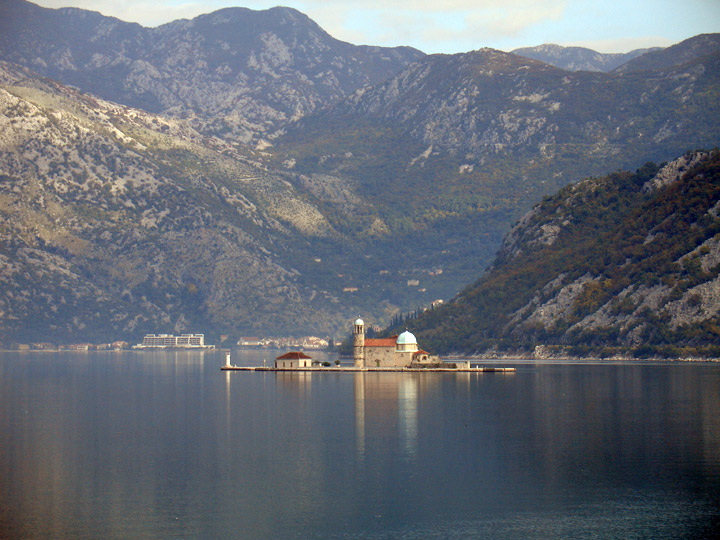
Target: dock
[(480, 369)]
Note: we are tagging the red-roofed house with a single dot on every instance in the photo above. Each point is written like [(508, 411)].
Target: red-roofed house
[(293, 360)]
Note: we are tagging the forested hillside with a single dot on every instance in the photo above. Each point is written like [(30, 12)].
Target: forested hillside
[(628, 263)]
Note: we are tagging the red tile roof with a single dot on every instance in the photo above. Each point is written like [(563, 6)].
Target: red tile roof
[(381, 342), (293, 356)]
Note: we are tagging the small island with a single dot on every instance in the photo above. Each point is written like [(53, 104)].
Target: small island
[(393, 354)]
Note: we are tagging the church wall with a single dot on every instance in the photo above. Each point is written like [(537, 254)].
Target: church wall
[(379, 356), (403, 359), (386, 357)]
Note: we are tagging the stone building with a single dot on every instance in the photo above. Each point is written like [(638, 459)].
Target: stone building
[(395, 351)]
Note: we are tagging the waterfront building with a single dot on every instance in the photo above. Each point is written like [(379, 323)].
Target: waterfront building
[(169, 341), (293, 360)]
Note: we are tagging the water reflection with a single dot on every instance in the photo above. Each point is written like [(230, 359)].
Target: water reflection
[(408, 413), (359, 386), (299, 382), (82, 429), (386, 404), (623, 422), (149, 446)]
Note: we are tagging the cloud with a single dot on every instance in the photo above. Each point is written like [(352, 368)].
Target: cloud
[(457, 25), (620, 45), (449, 26), (511, 19), (153, 13)]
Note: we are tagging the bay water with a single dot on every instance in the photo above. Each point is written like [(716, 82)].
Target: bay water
[(165, 445)]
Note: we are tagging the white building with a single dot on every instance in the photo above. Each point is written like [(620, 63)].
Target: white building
[(165, 341), (293, 360)]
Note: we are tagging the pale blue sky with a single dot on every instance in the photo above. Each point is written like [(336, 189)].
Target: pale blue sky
[(449, 26)]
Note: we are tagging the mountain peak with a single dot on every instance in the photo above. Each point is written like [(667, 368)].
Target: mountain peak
[(235, 14), (681, 53), (236, 70)]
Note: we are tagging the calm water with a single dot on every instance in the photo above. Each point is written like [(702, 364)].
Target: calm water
[(165, 445)]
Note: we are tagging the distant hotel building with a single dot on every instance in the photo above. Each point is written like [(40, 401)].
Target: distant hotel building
[(168, 341)]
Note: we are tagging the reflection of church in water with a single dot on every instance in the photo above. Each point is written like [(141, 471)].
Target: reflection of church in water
[(396, 351), (386, 409)]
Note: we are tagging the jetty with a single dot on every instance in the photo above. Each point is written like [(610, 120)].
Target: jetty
[(337, 369)]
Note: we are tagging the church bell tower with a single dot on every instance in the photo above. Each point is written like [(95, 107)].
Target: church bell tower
[(359, 343)]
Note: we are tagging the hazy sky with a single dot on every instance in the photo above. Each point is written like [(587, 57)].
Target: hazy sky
[(449, 26)]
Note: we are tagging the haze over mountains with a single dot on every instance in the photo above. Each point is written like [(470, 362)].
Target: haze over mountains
[(578, 58), (254, 175)]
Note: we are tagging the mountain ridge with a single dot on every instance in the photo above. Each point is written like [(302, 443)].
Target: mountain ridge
[(500, 129), (681, 53), (236, 72), (579, 58)]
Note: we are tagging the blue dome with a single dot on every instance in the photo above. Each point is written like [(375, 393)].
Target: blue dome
[(406, 338)]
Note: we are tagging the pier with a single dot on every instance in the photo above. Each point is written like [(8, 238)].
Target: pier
[(479, 369)]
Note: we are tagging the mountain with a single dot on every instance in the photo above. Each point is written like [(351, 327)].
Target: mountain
[(253, 175), (117, 222), (488, 102), (582, 59), (578, 58), (627, 262), (686, 51), (235, 72), (484, 135)]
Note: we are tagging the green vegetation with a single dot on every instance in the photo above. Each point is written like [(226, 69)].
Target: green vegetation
[(615, 241)]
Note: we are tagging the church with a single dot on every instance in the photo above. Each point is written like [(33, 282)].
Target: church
[(396, 351)]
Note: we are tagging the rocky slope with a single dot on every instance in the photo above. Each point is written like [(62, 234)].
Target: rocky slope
[(486, 102), (578, 58), (628, 262), (117, 222), (484, 135), (235, 72)]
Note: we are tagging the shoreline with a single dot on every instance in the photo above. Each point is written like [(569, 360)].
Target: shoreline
[(471, 357), (563, 358), (55, 351)]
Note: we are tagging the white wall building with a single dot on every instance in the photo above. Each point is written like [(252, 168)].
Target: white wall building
[(164, 341)]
